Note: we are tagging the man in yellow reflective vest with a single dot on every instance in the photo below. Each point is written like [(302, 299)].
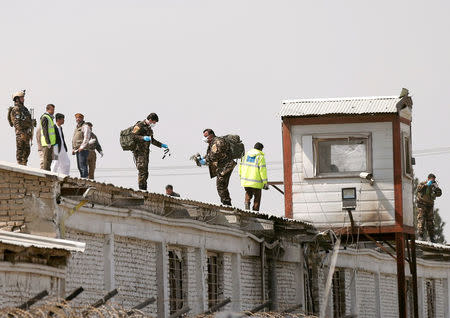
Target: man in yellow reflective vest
[(48, 136), (253, 173)]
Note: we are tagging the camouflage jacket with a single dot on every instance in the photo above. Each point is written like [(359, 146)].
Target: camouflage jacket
[(21, 118), (427, 194), (219, 157), (140, 130)]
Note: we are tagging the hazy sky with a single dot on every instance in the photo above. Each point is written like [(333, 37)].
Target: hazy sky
[(223, 65)]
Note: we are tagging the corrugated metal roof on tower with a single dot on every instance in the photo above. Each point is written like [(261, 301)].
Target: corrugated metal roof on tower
[(346, 105)]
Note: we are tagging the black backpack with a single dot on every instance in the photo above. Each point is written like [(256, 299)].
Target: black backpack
[(236, 145), (127, 140)]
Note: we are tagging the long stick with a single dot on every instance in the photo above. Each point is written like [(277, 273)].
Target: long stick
[(142, 305), (259, 307), (217, 307), (103, 300), (33, 300)]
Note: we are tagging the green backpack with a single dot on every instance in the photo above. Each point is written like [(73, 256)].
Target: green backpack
[(127, 140), (236, 145)]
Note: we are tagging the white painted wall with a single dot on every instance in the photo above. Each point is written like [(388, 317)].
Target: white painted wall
[(319, 199), (371, 283), (128, 250)]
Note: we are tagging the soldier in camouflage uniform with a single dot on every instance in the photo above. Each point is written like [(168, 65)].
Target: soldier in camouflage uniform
[(20, 118), (220, 161), (427, 191), (143, 135)]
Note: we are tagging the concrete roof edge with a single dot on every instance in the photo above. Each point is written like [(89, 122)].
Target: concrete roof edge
[(29, 240)]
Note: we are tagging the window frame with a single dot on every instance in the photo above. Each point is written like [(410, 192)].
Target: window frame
[(218, 283), (316, 138), (430, 290), (177, 281), (407, 155), (338, 292)]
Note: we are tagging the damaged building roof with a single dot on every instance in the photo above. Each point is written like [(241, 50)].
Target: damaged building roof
[(110, 195), (28, 240), (344, 106)]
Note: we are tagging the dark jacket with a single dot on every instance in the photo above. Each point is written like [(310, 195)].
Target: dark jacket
[(60, 140)]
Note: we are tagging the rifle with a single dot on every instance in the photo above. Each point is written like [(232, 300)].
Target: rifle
[(32, 125)]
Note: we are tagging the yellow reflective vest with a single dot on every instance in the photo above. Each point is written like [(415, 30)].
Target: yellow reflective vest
[(252, 170), (51, 132)]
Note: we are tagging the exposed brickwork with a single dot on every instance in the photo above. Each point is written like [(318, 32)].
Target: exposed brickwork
[(250, 282), (227, 279), (16, 288), (389, 301), (194, 288), (440, 297), (18, 195), (135, 272), (86, 269), (365, 289), (287, 284)]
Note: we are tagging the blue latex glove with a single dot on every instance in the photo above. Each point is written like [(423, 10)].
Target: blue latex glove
[(164, 146), (430, 182), (202, 161), (147, 138)]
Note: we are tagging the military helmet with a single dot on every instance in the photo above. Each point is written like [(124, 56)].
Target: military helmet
[(18, 94)]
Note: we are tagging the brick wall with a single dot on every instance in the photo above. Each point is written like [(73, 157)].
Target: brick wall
[(27, 202), (440, 297), (135, 272), (250, 282), (227, 279), (18, 287), (365, 289), (287, 277), (86, 269), (388, 293)]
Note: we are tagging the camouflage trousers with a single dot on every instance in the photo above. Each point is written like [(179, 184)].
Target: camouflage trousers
[(222, 188), (22, 148), (141, 161), (425, 221)]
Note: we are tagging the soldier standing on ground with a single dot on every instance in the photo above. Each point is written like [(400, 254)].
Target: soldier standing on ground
[(253, 174), (20, 118), (94, 145), (219, 159), (427, 192), (48, 136), (143, 135)]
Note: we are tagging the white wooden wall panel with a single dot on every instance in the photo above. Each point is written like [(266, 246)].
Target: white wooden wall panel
[(319, 199)]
